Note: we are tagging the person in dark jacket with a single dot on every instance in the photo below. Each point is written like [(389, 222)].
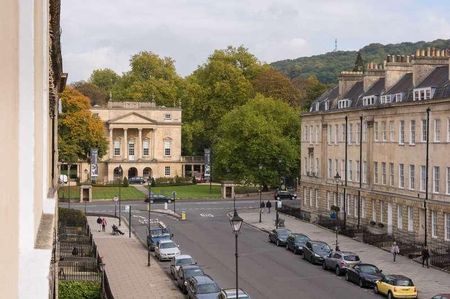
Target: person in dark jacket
[(425, 256), (268, 205), (262, 206)]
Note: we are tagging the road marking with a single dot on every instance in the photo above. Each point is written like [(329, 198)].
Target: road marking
[(207, 215)]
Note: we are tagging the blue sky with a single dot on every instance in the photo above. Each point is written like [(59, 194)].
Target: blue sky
[(105, 33)]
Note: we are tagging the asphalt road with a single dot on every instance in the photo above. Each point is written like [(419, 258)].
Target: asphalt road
[(265, 271)]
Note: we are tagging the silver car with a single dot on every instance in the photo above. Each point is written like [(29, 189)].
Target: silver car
[(340, 261), (178, 261), (166, 250)]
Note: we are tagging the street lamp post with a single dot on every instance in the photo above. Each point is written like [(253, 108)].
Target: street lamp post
[(149, 208), (276, 209), (260, 194), (236, 223), (337, 178), (120, 173)]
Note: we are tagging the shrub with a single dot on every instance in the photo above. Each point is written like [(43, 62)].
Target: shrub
[(153, 183), (79, 289), (125, 182), (71, 217), (194, 181), (246, 189)]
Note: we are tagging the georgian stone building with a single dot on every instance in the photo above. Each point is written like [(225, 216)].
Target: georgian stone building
[(30, 79), (372, 130), (144, 140)]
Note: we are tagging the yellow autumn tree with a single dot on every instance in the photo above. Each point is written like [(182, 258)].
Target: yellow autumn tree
[(78, 129)]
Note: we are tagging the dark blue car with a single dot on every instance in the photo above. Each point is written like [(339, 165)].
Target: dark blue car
[(365, 275), (157, 234)]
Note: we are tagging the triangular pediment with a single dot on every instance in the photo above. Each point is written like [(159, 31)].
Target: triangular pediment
[(132, 118)]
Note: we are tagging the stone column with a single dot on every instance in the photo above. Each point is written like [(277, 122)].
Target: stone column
[(125, 144), (139, 144), (153, 143), (111, 149)]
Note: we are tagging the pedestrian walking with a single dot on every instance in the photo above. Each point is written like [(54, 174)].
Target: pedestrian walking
[(262, 206), (99, 221), (268, 205), (104, 223), (425, 256), (395, 250)]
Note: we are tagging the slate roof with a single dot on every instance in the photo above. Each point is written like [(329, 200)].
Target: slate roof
[(437, 79)]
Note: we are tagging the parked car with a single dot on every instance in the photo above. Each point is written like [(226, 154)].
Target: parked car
[(365, 275), (157, 198), (231, 294), (136, 180), (396, 286), (202, 287), (316, 251), (156, 235), (166, 250), (296, 242), (441, 296), (279, 236), (284, 194), (199, 178), (178, 261), (186, 272), (62, 179), (340, 261)]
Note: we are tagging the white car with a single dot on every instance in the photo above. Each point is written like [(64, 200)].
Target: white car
[(166, 250), (178, 261)]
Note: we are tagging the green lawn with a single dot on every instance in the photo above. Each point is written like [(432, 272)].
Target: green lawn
[(127, 193), (190, 191)]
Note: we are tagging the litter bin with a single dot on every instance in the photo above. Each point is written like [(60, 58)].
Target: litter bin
[(183, 215)]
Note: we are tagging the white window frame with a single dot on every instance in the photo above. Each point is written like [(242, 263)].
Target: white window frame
[(375, 126), (117, 148), (167, 171), (344, 103), (448, 130), (401, 132), (381, 212), (385, 99), (330, 168), (425, 93), (375, 172), (412, 132), (350, 133), (412, 177), (327, 105), (374, 211), (350, 170), (343, 133), (392, 131), (383, 173), (317, 167), (358, 173), (434, 224), (401, 176), (330, 127), (316, 197), (436, 179), (364, 172), (317, 134), (146, 147), (447, 226), (398, 97), (399, 217), (383, 131), (347, 204), (423, 174), (167, 147), (437, 130), (363, 207), (410, 219), (391, 174), (305, 196), (336, 165), (336, 135), (448, 180), (311, 195), (328, 201), (369, 100), (424, 130)]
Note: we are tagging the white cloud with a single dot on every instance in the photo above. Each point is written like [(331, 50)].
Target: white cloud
[(105, 33)]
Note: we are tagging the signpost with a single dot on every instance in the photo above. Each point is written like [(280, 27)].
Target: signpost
[(94, 164), (207, 173)]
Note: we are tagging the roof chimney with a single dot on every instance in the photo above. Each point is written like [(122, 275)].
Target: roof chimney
[(373, 73), (347, 80), (426, 62), (396, 69)]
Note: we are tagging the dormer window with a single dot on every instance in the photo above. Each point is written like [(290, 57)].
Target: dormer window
[(426, 93), (317, 106), (385, 99), (345, 103), (398, 97), (327, 105), (369, 100)]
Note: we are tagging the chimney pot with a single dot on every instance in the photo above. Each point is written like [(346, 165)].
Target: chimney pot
[(438, 53), (428, 51), (433, 52), (407, 58), (417, 52), (423, 53)]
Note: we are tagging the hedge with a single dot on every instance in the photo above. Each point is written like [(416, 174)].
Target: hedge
[(71, 217), (79, 289)]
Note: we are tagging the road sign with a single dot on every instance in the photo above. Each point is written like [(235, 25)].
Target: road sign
[(333, 215), (115, 198), (127, 208), (279, 204)]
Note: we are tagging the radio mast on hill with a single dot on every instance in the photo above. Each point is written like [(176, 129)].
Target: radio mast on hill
[(335, 45)]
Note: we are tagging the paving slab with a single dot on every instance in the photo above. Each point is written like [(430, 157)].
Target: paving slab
[(126, 265), (429, 281)]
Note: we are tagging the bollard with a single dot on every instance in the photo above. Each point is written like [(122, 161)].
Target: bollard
[(183, 215), (165, 206)]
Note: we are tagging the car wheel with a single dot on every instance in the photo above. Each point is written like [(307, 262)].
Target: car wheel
[(270, 240), (390, 296), (375, 290), (347, 277), (287, 247), (337, 271), (361, 283), (278, 243), (324, 266), (295, 250)]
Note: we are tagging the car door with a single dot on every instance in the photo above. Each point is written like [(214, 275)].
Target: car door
[(307, 251), (384, 285), (272, 236), (291, 242), (353, 273), (333, 260)]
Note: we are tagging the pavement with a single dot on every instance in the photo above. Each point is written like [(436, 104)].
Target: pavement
[(429, 281), (126, 265)]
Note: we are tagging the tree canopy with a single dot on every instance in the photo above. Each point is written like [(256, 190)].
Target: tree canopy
[(78, 129), (258, 142)]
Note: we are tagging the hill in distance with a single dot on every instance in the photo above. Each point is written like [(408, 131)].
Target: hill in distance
[(328, 66)]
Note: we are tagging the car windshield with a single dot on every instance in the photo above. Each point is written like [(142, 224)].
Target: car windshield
[(283, 193), (301, 239), (369, 269), (321, 248), (156, 232), (185, 261), (208, 288), (283, 232), (167, 245), (404, 282), (351, 258), (193, 272)]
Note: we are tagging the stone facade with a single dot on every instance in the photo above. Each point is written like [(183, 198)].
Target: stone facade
[(145, 140), (362, 120)]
